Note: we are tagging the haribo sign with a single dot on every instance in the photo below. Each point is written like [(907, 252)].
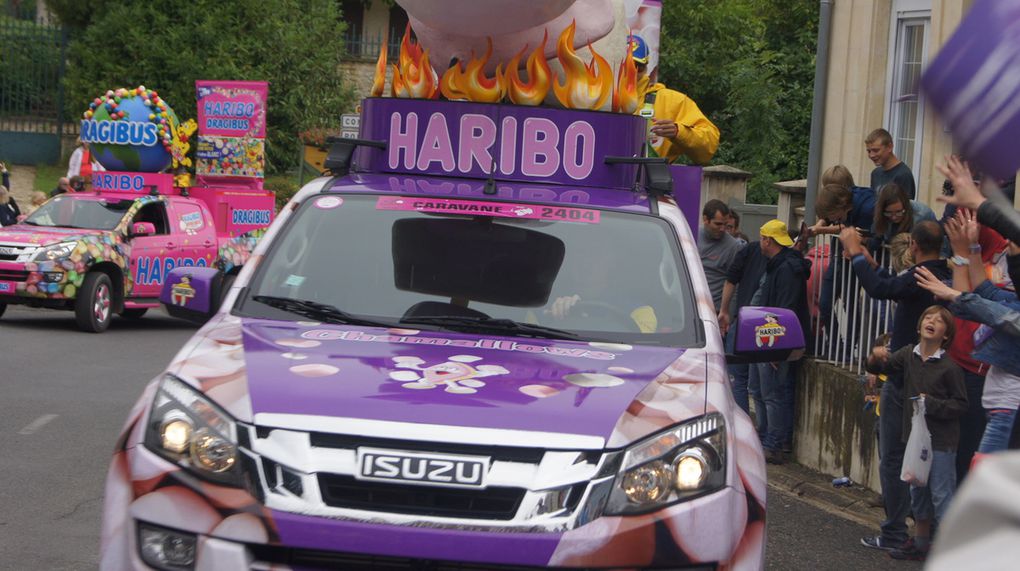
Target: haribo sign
[(232, 128), (133, 130)]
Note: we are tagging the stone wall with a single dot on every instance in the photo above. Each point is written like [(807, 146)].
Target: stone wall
[(833, 432)]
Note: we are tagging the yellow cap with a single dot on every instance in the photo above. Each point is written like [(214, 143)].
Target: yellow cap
[(776, 230)]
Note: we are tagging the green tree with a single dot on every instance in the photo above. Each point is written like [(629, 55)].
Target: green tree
[(750, 66), (295, 45)]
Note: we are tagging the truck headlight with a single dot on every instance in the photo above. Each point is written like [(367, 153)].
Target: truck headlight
[(54, 251), (188, 429), (686, 461)]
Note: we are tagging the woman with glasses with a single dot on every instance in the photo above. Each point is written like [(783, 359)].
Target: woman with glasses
[(896, 213)]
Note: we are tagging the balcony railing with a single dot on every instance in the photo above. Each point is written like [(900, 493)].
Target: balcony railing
[(365, 46)]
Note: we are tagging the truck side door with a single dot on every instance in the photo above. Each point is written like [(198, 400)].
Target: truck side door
[(150, 254), (192, 224)]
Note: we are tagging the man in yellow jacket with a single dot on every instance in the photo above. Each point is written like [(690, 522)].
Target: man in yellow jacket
[(678, 126)]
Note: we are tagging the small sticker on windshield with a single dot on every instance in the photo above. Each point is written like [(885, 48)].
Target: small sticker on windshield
[(486, 208), (294, 281), (328, 202)]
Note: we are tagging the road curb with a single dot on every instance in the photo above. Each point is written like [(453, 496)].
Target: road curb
[(855, 503)]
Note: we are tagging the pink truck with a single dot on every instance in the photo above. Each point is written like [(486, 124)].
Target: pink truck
[(107, 252)]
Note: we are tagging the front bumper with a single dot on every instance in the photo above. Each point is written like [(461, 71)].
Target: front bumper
[(235, 530)]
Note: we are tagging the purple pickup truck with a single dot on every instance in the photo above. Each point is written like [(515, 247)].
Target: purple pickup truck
[(486, 342)]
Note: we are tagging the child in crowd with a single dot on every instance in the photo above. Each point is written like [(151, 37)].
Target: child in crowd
[(929, 374)]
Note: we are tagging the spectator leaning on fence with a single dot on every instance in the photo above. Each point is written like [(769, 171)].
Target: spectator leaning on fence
[(929, 374), (912, 300), (895, 214)]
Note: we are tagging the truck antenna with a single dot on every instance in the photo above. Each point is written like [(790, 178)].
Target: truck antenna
[(490, 183)]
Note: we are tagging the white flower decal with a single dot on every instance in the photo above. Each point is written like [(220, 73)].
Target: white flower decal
[(455, 374)]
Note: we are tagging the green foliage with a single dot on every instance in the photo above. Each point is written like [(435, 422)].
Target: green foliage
[(296, 45), (749, 64), (46, 176), (29, 66), (284, 186)]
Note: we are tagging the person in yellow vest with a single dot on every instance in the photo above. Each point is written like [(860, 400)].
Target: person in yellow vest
[(678, 126)]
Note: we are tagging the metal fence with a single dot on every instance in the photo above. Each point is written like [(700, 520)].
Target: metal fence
[(32, 56), (363, 46), (845, 319)]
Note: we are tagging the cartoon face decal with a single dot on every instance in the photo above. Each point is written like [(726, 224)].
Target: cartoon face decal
[(455, 374), (182, 292), (767, 333)]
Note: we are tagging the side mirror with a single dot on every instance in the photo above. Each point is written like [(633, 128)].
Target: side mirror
[(766, 335), (191, 292), (143, 229)]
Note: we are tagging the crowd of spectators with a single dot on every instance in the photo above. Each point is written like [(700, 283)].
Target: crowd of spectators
[(954, 335)]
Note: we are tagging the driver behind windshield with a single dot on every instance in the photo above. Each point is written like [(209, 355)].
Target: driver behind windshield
[(598, 302)]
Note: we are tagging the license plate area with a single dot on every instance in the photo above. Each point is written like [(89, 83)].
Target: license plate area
[(7, 287), (422, 468)]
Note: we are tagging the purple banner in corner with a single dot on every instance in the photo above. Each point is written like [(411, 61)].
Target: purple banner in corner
[(516, 143), (974, 82), (687, 193)]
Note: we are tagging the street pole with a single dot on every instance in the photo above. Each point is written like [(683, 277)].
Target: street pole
[(818, 109)]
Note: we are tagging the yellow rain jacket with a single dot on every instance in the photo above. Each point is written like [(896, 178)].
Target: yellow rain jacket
[(697, 137)]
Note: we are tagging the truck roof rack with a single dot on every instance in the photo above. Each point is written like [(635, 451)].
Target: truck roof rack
[(658, 179), (338, 160)]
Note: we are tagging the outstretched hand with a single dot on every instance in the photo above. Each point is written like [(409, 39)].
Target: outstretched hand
[(928, 281), (965, 193)]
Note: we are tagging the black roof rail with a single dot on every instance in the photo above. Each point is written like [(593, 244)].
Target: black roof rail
[(658, 179), (341, 151)]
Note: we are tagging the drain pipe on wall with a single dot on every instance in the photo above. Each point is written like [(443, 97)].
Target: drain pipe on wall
[(818, 109)]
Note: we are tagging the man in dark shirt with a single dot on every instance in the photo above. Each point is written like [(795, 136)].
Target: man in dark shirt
[(63, 186), (888, 167), (742, 278), (911, 301)]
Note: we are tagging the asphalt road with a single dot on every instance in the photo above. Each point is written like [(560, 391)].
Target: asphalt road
[(64, 396)]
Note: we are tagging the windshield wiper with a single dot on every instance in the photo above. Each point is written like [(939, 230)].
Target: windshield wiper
[(492, 324), (315, 310)]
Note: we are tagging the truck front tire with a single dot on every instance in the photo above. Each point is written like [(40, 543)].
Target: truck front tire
[(94, 306)]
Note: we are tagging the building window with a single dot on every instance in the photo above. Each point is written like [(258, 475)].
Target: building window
[(906, 105)]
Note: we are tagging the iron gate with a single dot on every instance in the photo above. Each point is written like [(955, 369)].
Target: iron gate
[(32, 56)]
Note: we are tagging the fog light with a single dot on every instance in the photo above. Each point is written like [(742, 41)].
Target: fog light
[(166, 548), (690, 468), (176, 435), (647, 483), (212, 452)]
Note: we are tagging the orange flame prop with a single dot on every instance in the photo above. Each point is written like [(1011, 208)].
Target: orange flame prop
[(586, 86), (415, 77), (380, 70), (539, 77), (471, 83), (626, 98)]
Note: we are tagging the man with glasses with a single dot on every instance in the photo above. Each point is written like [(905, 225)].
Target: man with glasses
[(888, 167)]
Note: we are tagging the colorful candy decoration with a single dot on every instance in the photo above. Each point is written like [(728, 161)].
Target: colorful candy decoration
[(140, 148)]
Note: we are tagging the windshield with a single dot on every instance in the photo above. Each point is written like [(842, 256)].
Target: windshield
[(562, 272), (69, 212)]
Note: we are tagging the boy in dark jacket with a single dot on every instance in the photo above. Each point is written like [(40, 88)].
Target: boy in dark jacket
[(783, 285), (929, 374)]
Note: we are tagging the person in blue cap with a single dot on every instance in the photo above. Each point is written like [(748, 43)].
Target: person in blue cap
[(678, 125)]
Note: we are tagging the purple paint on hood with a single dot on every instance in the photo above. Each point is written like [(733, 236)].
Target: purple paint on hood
[(445, 378), (417, 542)]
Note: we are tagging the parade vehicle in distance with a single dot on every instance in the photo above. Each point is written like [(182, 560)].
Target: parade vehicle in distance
[(489, 344), (107, 251)]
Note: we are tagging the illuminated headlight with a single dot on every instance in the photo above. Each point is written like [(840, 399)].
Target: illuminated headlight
[(685, 461), (187, 428), (54, 252)]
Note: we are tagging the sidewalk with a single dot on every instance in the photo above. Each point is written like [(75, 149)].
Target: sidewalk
[(855, 503)]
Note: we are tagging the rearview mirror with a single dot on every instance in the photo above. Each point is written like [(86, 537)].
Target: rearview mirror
[(143, 229), (191, 293), (766, 335)]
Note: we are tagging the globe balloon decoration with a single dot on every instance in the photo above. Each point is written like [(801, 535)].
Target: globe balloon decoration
[(131, 130)]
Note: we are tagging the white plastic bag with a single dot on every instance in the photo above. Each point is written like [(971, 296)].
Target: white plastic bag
[(917, 458)]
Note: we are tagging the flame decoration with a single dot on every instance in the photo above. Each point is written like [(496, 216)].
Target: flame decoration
[(470, 83), (539, 77), (626, 96), (586, 86), (415, 78), (379, 82)]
